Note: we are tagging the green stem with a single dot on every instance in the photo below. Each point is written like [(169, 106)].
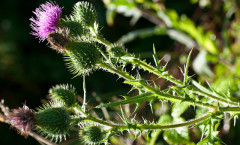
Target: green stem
[(155, 126), (155, 137), (95, 120), (177, 82), (103, 41), (230, 109), (148, 88), (214, 97), (84, 94), (142, 126), (209, 94), (88, 118), (114, 70), (187, 123), (79, 109), (153, 70), (99, 38)]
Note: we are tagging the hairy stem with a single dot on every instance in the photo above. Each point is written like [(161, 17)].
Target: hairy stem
[(155, 71), (84, 95), (94, 120), (214, 97), (144, 126), (159, 94)]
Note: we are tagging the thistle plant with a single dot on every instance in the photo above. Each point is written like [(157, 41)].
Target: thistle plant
[(79, 40)]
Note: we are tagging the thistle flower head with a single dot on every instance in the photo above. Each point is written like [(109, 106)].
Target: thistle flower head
[(22, 119), (47, 17)]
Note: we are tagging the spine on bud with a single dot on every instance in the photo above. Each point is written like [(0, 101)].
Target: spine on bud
[(53, 122), (116, 51), (82, 57), (85, 12), (92, 135), (65, 94)]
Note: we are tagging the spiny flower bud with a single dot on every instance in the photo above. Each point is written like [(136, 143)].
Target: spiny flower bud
[(82, 57), (86, 13), (116, 51), (53, 122), (75, 26), (22, 119), (65, 94), (58, 39), (92, 135)]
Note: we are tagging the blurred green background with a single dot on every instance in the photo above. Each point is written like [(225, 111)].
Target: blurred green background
[(29, 68)]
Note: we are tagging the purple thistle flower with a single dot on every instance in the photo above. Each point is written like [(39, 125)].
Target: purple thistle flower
[(48, 15), (22, 119)]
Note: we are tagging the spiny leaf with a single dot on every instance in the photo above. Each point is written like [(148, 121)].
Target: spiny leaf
[(146, 32), (136, 99), (186, 69), (137, 107), (155, 57), (124, 119), (134, 83), (208, 91), (200, 87)]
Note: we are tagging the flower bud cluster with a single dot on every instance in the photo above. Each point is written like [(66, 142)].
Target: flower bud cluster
[(65, 34), (76, 37)]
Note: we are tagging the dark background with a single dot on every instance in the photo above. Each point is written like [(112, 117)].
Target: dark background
[(29, 68)]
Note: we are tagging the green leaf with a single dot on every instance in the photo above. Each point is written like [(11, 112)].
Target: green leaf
[(134, 83), (211, 139), (200, 65), (178, 109), (141, 33), (186, 68), (110, 14), (181, 38), (201, 87), (126, 7), (165, 119), (177, 136), (136, 99), (155, 58)]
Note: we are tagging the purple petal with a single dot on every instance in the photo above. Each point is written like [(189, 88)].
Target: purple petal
[(47, 17)]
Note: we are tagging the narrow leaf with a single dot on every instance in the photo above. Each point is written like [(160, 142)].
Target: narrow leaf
[(136, 99), (155, 57), (186, 69)]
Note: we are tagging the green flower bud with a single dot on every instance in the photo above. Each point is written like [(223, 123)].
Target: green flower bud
[(65, 94), (85, 13), (116, 51), (52, 122), (92, 135), (76, 27), (82, 57)]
